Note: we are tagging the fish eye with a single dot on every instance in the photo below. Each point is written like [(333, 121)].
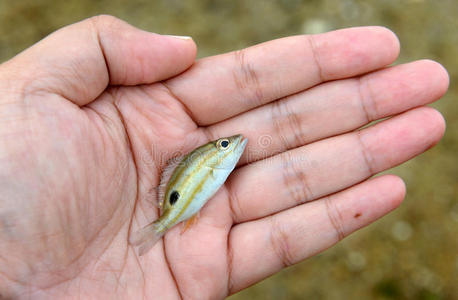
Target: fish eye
[(223, 144)]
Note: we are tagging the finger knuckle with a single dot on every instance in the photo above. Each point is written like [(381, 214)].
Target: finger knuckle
[(335, 218), (296, 181), (246, 78), (287, 125), (280, 244)]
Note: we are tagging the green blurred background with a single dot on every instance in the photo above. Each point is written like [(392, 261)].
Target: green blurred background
[(410, 254)]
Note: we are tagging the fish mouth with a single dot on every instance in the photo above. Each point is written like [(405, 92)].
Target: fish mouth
[(240, 143), (243, 142), (240, 140)]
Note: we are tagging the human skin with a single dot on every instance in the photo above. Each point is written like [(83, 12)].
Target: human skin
[(90, 115)]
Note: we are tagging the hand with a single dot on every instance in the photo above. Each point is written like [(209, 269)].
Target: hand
[(90, 115)]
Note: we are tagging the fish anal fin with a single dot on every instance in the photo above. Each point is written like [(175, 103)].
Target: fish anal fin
[(190, 222)]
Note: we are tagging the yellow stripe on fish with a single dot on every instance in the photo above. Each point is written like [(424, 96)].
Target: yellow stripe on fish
[(194, 181)]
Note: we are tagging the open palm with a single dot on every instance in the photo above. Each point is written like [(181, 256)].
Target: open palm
[(90, 115)]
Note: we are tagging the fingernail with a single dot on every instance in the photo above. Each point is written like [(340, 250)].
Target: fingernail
[(181, 37)]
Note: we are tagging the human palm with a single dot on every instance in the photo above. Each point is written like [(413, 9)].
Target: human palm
[(90, 115)]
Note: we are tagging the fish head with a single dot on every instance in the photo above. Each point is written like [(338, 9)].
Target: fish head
[(230, 149)]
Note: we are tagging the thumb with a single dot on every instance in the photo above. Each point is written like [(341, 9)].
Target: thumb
[(80, 60)]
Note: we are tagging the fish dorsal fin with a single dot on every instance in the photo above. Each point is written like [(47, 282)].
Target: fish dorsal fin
[(165, 177)]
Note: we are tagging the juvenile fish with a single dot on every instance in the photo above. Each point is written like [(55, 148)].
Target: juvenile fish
[(193, 182)]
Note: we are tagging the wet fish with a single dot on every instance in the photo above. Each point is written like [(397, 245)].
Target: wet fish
[(195, 179)]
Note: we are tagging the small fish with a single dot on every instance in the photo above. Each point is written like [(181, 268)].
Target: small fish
[(193, 182)]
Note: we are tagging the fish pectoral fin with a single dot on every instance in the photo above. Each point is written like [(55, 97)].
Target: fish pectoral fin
[(190, 222), (214, 171), (217, 168)]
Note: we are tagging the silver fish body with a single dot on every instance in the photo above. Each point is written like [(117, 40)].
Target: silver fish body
[(193, 182)]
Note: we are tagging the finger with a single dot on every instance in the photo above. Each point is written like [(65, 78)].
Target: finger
[(333, 108), (222, 86), (263, 247), (330, 165), (80, 60)]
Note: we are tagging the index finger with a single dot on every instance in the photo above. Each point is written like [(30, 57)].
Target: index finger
[(219, 87)]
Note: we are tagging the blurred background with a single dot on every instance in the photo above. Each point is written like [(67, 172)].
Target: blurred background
[(410, 254)]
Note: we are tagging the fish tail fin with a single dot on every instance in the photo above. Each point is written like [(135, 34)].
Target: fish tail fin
[(146, 237)]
